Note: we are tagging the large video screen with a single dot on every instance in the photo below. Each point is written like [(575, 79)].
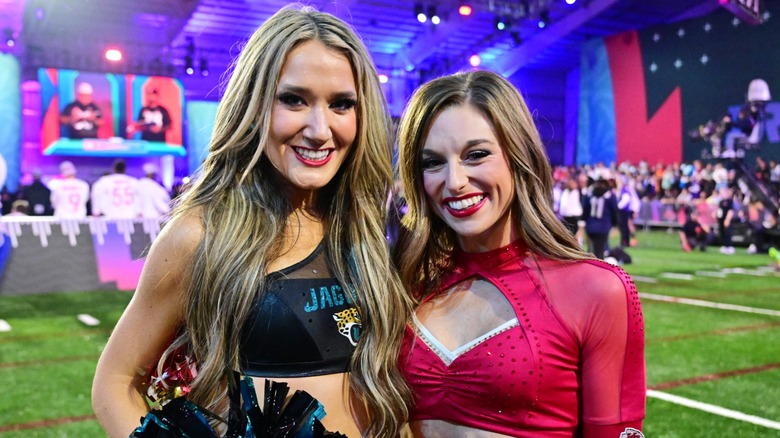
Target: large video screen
[(107, 114)]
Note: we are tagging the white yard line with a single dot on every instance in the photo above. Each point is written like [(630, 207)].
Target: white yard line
[(756, 272), (743, 271), (723, 273), (710, 304), (733, 270), (676, 276), (640, 279), (712, 409), (715, 274)]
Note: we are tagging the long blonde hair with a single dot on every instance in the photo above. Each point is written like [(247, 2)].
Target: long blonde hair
[(244, 216), (424, 249)]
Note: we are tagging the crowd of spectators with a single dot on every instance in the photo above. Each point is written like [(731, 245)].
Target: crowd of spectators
[(709, 203), (115, 195)]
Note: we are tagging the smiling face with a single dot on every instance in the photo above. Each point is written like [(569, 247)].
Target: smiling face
[(467, 179), (313, 121)]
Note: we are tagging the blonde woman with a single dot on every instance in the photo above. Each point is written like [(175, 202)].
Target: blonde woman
[(274, 263), (518, 332)]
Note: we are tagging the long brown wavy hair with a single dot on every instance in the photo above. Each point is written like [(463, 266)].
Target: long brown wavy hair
[(244, 216)]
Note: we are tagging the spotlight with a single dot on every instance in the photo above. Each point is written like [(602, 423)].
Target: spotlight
[(475, 60), (571, 2), (501, 23), (113, 55), (383, 78), (434, 17), (544, 19), (189, 68), (465, 9), (204, 67), (409, 67), (9, 37), (418, 12)]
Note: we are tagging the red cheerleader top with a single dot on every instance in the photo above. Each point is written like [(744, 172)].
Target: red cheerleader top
[(571, 363)]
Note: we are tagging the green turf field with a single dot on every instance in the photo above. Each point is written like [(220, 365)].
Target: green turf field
[(728, 359)]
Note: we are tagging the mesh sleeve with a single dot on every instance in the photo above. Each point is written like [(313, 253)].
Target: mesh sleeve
[(600, 304)]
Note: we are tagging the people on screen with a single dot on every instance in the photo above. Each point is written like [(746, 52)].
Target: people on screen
[(153, 120), (82, 116)]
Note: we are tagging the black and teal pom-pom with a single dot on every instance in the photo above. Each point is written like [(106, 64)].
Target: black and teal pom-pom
[(298, 417)]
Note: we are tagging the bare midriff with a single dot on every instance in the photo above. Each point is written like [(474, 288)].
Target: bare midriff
[(439, 428)]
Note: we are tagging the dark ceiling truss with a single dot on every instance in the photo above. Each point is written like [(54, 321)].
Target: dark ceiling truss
[(159, 31)]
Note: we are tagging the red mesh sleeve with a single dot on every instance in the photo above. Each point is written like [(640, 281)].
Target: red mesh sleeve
[(600, 304)]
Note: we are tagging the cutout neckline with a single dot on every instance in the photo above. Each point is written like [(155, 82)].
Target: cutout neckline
[(449, 356)]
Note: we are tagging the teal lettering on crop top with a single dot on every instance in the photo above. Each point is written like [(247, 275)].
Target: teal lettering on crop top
[(305, 325)]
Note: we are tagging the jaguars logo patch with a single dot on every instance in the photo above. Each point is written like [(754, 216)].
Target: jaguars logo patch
[(348, 323)]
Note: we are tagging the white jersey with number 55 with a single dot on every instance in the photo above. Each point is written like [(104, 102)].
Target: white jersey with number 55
[(113, 196)]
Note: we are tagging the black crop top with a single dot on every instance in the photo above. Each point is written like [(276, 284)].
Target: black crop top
[(306, 325)]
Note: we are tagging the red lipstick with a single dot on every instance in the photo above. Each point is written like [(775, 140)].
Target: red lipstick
[(466, 211), (311, 163)]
